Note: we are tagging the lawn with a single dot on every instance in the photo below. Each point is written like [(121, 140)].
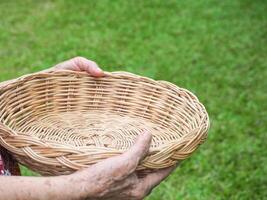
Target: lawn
[(216, 49)]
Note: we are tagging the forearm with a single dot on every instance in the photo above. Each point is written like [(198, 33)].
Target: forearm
[(37, 188)]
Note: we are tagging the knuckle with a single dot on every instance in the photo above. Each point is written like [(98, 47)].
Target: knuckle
[(126, 169), (119, 171), (134, 157), (131, 166), (78, 58), (124, 166)]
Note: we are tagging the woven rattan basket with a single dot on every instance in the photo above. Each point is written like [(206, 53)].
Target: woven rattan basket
[(58, 122)]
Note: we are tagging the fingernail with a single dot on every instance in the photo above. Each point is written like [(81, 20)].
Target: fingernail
[(146, 132), (98, 70)]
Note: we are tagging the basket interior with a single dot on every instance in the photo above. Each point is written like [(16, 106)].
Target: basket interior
[(109, 112)]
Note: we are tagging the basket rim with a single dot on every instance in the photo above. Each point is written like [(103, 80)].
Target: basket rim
[(114, 74)]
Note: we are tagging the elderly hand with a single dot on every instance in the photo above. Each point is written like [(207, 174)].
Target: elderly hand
[(116, 178), (80, 64)]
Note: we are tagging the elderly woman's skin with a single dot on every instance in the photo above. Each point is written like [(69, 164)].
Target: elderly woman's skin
[(112, 179)]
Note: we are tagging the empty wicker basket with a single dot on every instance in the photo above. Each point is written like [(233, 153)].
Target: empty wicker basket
[(58, 122)]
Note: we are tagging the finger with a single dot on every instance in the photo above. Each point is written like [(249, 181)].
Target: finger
[(154, 179), (68, 65), (119, 167), (81, 64), (125, 164), (87, 65), (140, 149), (131, 158)]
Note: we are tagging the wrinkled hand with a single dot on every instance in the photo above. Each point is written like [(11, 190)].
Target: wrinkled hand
[(80, 64), (116, 178)]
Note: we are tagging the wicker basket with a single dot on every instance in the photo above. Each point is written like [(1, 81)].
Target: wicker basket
[(58, 122)]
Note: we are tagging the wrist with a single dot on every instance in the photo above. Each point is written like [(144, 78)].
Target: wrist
[(68, 187), (81, 187)]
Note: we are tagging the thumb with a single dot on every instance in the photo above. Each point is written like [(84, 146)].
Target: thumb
[(141, 147)]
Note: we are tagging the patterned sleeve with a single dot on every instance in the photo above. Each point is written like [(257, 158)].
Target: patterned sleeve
[(8, 166)]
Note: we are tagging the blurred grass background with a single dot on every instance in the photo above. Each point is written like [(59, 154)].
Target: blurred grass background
[(217, 49)]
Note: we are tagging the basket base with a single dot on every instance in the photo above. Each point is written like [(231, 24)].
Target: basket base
[(95, 129)]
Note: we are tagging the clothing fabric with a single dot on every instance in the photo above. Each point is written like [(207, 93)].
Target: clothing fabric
[(8, 166)]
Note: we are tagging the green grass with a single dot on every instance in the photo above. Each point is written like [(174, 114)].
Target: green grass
[(217, 49)]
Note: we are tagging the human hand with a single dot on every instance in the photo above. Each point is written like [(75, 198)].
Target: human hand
[(80, 64), (75, 64), (116, 178)]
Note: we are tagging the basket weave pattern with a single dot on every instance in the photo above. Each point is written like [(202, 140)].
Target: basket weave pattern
[(58, 122)]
